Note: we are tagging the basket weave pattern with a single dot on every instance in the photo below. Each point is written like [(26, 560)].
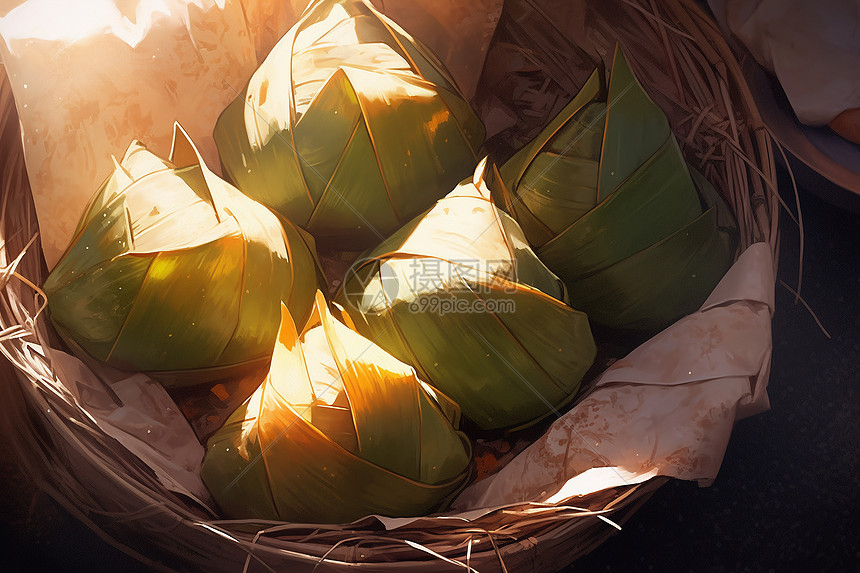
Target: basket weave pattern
[(684, 63)]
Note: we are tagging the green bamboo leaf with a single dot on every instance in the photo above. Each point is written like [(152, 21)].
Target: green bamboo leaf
[(547, 191), (282, 189), (436, 456), (372, 390), (356, 214), (698, 256), (153, 337), (463, 298), (659, 193), (237, 491), (604, 183), (635, 127), (329, 122), (94, 322), (726, 221), (176, 273), (346, 77), (582, 136), (286, 454), (136, 163), (514, 169), (559, 185)]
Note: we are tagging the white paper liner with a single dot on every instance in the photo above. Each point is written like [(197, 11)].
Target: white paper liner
[(668, 408), (92, 75), (148, 424)]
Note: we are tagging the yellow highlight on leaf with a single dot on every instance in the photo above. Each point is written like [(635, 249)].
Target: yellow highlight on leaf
[(339, 429), (173, 271)]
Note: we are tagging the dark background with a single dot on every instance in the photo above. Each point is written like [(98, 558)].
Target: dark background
[(785, 499)]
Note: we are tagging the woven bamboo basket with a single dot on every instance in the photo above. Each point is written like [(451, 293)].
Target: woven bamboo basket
[(683, 61)]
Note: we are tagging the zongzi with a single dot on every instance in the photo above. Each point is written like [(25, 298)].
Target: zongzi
[(338, 430), (605, 197), (349, 128), (459, 294), (174, 272)]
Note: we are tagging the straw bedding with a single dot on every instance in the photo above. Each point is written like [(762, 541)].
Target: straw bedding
[(683, 61)]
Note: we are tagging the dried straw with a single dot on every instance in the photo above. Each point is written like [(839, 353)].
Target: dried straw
[(683, 61)]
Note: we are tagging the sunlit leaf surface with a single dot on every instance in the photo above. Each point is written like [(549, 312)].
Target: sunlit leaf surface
[(173, 271), (605, 196), (339, 429), (349, 128), (460, 295)]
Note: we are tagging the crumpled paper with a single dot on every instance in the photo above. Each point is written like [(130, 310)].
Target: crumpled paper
[(668, 408), (148, 423), (92, 75)]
